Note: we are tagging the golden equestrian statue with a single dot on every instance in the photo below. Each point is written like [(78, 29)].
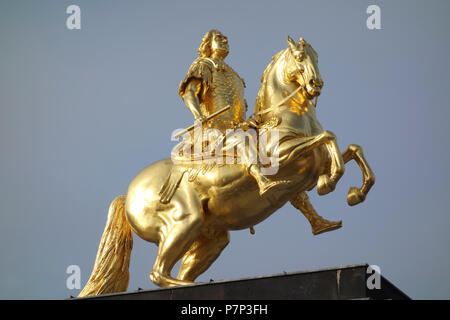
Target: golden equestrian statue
[(187, 207)]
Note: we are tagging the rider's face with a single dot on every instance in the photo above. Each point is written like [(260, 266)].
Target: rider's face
[(219, 45)]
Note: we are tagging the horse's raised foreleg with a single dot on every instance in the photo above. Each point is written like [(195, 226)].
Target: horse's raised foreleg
[(355, 195), (201, 255), (296, 147), (318, 223), (178, 234)]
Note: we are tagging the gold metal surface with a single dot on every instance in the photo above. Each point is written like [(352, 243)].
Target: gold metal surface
[(187, 209), (210, 117)]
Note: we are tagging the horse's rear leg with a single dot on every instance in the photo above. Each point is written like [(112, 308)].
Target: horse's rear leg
[(182, 228), (202, 254)]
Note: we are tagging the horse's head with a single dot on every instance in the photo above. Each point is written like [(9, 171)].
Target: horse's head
[(302, 67)]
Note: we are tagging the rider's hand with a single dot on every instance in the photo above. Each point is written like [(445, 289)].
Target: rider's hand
[(252, 123), (241, 125)]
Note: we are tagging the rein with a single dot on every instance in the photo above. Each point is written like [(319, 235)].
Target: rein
[(279, 104)]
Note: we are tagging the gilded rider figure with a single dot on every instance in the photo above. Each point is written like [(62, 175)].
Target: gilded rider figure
[(211, 84)]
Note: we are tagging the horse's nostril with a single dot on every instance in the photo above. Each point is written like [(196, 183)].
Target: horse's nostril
[(317, 83)]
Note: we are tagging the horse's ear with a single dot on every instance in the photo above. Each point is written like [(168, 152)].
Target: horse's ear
[(291, 43)]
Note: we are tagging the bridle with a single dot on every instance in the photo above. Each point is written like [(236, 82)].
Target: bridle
[(300, 88)]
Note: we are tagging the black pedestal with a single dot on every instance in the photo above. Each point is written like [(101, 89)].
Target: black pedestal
[(339, 283)]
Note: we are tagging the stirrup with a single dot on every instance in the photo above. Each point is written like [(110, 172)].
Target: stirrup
[(270, 185)]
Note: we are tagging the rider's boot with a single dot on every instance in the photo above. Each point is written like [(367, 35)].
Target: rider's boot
[(264, 183)]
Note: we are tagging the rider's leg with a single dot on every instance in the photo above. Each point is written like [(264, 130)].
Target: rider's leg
[(203, 252), (264, 183), (318, 223), (249, 157)]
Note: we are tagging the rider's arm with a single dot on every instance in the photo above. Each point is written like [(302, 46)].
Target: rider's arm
[(191, 98)]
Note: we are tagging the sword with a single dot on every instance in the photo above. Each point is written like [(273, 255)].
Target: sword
[(191, 127)]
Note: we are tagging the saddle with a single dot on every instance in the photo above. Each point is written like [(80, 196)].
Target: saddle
[(195, 165)]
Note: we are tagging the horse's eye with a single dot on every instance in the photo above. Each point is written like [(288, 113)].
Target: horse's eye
[(299, 56)]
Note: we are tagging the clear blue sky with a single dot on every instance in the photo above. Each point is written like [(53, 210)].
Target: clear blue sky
[(83, 111)]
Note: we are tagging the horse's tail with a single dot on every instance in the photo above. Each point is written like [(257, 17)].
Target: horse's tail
[(110, 273)]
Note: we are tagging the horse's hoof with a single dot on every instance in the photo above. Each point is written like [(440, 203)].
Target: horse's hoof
[(355, 196), (167, 281), (324, 185)]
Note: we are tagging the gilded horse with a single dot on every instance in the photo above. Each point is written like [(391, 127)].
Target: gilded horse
[(194, 225)]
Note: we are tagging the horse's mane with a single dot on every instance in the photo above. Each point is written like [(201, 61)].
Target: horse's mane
[(259, 97), (270, 65)]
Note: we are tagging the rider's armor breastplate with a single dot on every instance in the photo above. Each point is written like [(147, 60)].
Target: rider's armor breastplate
[(221, 86), (227, 88)]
